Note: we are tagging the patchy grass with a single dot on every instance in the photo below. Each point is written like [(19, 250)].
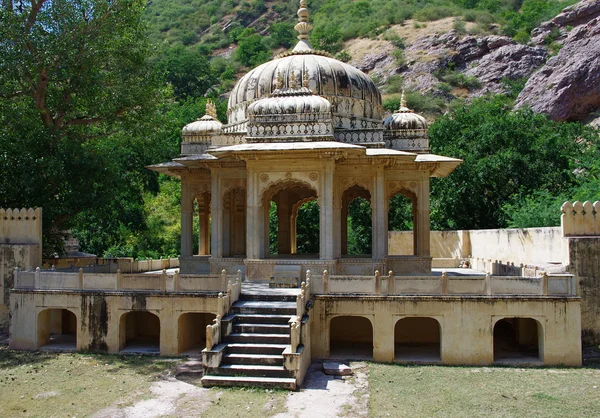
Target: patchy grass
[(48, 385), (427, 391), (246, 402)]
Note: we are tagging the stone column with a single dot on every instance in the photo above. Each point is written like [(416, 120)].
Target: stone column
[(227, 216), (379, 217), (293, 219), (239, 225), (326, 211), (216, 210), (254, 216), (422, 224), (284, 215), (187, 210), (344, 225), (204, 221)]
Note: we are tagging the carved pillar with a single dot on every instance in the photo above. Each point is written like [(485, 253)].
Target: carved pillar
[(293, 219), (216, 205), (227, 216), (326, 214), (422, 222), (239, 223), (344, 224), (284, 217), (379, 216), (254, 216), (204, 221), (187, 210)]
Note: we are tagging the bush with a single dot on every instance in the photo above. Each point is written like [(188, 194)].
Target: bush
[(431, 13), (460, 80), (344, 56), (460, 26)]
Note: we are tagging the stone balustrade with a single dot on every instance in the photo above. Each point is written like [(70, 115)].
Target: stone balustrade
[(550, 285), (163, 282)]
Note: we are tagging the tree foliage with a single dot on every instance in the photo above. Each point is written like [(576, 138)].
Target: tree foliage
[(507, 155)]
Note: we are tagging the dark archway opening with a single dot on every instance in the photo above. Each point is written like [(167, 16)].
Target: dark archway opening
[(518, 340), (417, 340), (57, 330), (139, 333), (351, 337), (191, 337)]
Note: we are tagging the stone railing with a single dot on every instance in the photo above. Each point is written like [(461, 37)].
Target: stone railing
[(580, 219), (54, 280), (444, 285), (126, 265)]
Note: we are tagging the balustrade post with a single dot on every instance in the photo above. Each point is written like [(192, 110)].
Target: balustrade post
[(444, 283), (118, 282), (488, 284), (391, 283), (544, 284), (325, 282), (377, 282), (80, 278)]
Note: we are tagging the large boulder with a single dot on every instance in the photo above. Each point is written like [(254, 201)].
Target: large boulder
[(568, 87), (576, 15)]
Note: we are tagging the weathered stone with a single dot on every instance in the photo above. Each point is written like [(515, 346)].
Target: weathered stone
[(336, 369), (576, 15), (511, 61), (568, 86)]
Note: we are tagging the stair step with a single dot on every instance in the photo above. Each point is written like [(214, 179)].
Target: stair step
[(270, 296), (264, 307), (242, 337), (253, 348), (262, 319), (261, 328), (249, 370), (253, 359), (263, 382)]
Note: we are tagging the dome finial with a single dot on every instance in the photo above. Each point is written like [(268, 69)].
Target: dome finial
[(403, 107), (303, 27), (211, 109)]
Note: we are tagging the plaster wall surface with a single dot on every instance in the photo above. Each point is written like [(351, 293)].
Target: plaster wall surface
[(585, 264), (527, 246), (12, 256), (466, 324), (99, 315)]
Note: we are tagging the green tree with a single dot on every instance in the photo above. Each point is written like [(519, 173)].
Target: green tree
[(506, 154), (282, 35), (251, 50), (188, 71), (73, 75)]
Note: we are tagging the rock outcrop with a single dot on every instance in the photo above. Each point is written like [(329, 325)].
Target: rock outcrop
[(557, 29), (568, 87), (491, 59)]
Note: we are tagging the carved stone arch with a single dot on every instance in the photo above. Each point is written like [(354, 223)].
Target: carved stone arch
[(300, 203), (231, 184), (272, 188)]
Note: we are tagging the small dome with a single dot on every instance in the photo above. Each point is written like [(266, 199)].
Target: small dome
[(206, 125), (405, 120)]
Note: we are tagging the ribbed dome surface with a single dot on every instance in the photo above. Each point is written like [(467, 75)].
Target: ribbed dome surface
[(300, 103), (405, 121), (350, 92), (206, 125)]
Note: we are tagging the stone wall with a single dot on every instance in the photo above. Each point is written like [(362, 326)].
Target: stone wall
[(585, 264), (20, 246), (527, 246)]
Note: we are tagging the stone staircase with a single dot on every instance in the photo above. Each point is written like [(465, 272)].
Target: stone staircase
[(252, 352)]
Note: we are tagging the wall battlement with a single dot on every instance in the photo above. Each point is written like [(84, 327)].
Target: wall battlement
[(580, 219), (21, 226)]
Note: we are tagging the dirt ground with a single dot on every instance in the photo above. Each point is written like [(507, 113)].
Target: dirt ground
[(321, 395)]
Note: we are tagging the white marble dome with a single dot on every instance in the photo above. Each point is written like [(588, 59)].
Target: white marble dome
[(300, 101), (206, 125), (405, 119), (352, 94)]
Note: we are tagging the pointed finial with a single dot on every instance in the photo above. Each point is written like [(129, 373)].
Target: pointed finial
[(278, 81), (305, 79), (211, 109), (303, 27), (403, 107), (293, 83)]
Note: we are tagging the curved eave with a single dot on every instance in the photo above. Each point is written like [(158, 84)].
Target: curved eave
[(170, 168), (443, 166), (288, 149)]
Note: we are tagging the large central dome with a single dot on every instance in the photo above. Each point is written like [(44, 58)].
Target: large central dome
[(355, 99)]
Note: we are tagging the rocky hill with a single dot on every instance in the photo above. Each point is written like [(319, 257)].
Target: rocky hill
[(442, 51)]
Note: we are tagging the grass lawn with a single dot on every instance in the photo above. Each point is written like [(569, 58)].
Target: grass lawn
[(69, 385), (428, 391)]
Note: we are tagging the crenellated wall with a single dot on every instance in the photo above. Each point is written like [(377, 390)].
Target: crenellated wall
[(20, 246)]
